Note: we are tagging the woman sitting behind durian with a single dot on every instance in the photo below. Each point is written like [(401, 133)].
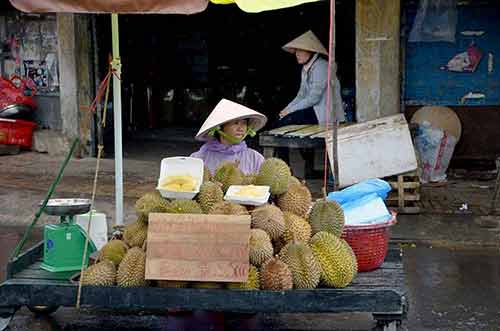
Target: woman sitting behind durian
[(225, 131)]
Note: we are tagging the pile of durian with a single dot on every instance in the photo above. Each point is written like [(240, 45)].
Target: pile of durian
[(294, 243)]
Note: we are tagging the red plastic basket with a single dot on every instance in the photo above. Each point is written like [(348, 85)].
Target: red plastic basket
[(369, 243), (16, 132)]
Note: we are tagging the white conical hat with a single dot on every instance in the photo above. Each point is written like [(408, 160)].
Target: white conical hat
[(226, 111), (307, 41), (439, 117)]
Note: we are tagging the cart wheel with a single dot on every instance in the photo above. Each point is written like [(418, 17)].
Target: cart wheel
[(42, 310)]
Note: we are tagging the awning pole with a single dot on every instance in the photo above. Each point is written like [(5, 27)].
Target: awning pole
[(333, 68), (117, 116)]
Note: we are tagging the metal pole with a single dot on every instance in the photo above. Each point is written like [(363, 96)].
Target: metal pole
[(333, 81), (117, 116)]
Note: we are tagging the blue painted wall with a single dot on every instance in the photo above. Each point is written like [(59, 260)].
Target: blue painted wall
[(426, 84)]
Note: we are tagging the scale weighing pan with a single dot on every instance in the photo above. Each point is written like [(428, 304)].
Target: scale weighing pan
[(67, 207)]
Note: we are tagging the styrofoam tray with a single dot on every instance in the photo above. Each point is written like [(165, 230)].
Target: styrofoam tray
[(230, 196), (179, 166)]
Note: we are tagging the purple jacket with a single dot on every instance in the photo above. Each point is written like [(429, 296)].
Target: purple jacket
[(213, 153)]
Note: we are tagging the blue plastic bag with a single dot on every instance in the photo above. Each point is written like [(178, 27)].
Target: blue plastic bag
[(357, 191), (369, 209)]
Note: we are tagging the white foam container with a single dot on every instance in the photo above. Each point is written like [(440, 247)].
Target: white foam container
[(230, 196), (98, 229), (181, 166)]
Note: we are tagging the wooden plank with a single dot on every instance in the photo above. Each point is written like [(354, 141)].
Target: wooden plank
[(286, 129), (18, 293), (306, 132), (25, 259), (378, 276), (34, 266), (198, 247), (401, 196), (394, 253), (37, 273), (405, 197), (322, 134), (406, 185), (290, 142), (409, 210)]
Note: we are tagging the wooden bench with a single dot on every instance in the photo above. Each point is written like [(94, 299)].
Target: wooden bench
[(293, 137), (381, 292)]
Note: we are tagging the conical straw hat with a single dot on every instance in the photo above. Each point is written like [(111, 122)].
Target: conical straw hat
[(226, 111), (308, 41), (440, 117)]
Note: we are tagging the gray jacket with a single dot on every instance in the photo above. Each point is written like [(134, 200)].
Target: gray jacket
[(313, 92)]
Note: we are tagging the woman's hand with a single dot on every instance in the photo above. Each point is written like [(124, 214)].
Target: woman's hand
[(283, 113)]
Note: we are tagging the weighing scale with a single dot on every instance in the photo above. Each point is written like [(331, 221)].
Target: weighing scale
[(64, 243)]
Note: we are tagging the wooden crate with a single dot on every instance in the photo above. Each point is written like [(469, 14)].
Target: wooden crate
[(405, 194)]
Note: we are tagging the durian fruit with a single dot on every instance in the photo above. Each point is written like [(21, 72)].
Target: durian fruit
[(296, 200), (250, 209), (270, 219), (135, 234), (172, 284), (100, 274), (249, 179), (150, 202), (209, 285), (261, 247), (296, 228), (228, 208), (275, 173), (228, 174), (132, 268), (143, 218), (327, 216), (183, 206), (210, 194), (253, 282), (207, 175), (305, 269), (278, 244), (294, 180), (114, 251), (338, 262), (275, 275)]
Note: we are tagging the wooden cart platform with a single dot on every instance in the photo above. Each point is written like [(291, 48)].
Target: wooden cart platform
[(381, 292)]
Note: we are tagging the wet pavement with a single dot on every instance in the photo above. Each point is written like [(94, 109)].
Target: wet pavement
[(453, 289), (448, 290)]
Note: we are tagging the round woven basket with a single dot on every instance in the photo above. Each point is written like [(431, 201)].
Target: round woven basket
[(369, 243)]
